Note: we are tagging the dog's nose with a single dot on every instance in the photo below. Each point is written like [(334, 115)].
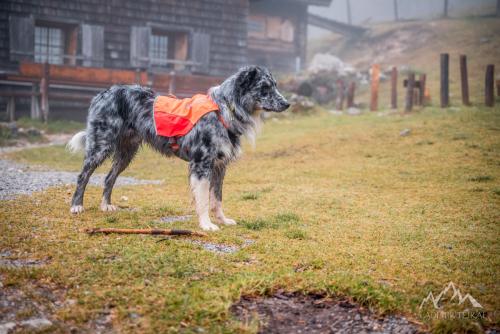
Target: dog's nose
[(286, 105)]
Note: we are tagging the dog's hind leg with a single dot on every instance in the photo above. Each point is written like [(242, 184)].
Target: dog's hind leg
[(200, 185), (91, 162), (123, 156), (216, 182)]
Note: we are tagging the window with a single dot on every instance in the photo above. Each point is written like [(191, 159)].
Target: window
[(271, 28), (49, 45), (256, 26), (168, 49), (158, 49)]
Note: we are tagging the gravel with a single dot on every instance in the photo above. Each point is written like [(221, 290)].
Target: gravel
[(172, 219), (18, 179), (221, 248)]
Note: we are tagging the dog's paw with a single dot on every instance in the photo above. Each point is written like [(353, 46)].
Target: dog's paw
[(108, 207), (208, 226), (229, 221), (76, 209)]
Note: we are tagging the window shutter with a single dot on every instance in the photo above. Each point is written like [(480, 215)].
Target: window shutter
[(21, 37), (201, 52), (139, 46), (93, 45)]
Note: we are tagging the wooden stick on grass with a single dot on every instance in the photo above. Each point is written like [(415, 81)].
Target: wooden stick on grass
[(152, 231)]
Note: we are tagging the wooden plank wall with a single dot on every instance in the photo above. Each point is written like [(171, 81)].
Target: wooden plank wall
[(224, 20), (279, 55)]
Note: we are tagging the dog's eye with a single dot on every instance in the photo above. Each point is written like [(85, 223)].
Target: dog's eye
[(265, 88)]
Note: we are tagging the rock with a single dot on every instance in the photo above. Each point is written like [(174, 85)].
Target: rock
[(171, 219), (7, 327), (484, 40), (37, 323), (335, 112), (33, 132), (134, 316), (124, 198), (324, 62), (405, 133), (12, 126), (354, 111)]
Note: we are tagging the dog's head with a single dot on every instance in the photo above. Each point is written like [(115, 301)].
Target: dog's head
[(256, 89)]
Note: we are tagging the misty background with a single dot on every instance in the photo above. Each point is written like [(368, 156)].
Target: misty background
[(373, 11)]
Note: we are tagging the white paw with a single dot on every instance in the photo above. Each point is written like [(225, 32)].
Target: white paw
[(76, 209), (108, 207), (228, 221), (208, 226)]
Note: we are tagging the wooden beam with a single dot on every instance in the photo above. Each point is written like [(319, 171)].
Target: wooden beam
[(35, 105), (335, 26), (11, 108), (396, 11), (349, 13), (489, 91), (44, 91), (464, 80), (445, 80)]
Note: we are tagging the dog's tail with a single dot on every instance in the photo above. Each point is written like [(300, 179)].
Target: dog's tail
[(77, 143)]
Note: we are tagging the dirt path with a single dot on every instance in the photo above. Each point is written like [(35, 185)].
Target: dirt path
[(294, 313), (20, 179)]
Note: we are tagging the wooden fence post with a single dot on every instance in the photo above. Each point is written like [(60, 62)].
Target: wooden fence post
[(350, 95), (465, 80), (445, 80), (44, 92), (394, 88), (339, 105), (423, 83), (489, 91), (374, 87), (409, 92)]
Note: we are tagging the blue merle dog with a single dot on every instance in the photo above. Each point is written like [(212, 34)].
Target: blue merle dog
[(121, 118)]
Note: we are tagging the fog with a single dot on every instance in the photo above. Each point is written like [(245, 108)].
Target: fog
[(363, 11)]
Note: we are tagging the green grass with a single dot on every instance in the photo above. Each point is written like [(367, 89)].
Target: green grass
[(54, 126), (350, 208)]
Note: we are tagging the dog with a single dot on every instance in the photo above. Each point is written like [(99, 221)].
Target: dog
[(121, 118)]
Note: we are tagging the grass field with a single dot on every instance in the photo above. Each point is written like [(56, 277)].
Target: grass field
[(335, 204)]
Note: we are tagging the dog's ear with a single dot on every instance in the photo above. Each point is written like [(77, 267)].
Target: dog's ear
[(246, 77)]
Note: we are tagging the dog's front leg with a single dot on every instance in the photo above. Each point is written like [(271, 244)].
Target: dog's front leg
[(201, 192), (216, 195)]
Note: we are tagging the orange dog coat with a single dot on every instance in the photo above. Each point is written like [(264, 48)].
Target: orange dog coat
[(176, 117)]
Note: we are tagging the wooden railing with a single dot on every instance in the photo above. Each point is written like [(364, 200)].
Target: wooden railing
[(65, 82)]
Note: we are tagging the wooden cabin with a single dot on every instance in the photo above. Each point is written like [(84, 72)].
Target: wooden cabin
[(56, 54)]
